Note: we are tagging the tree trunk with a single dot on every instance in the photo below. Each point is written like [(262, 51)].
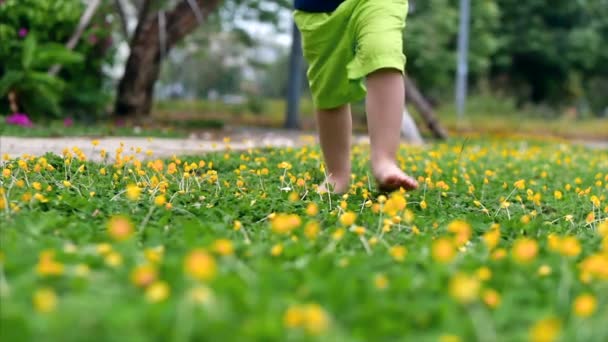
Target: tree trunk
[(136, 88), (424, 109)]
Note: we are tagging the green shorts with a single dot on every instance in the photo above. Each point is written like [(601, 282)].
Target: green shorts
[(342, 47)]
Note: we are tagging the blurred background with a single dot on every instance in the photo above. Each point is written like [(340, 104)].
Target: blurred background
[(182, 67)]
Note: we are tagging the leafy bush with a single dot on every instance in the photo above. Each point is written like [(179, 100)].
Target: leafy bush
[(33, 33)]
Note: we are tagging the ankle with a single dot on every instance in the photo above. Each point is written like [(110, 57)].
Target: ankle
[(382, 161)]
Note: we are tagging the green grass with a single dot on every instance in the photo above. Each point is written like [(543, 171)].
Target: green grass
[(501, 116), (55, 128), (417, 271), (485, 114)]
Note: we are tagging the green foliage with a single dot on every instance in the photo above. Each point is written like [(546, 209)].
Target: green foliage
[(554, 50), (33, 41), (540, 51), (430, 43), (41, 92)]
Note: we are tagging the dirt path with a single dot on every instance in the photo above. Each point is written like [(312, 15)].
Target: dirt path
[(162, 147)]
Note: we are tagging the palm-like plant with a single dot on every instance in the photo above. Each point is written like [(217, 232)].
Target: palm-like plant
[(29, 85)]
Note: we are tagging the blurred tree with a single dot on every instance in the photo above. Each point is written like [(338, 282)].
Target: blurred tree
[(553, 51), (162, 24), (430, 42)]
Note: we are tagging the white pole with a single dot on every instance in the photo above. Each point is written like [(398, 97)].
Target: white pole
[(463, 47)]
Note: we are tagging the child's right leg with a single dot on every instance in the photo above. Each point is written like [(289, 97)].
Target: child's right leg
[(334, 127)]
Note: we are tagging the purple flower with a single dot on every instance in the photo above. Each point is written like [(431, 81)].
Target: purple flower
[(68, 122), (19, 119), (23, 32), (93, 39)]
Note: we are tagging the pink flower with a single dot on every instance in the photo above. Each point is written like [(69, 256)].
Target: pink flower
[(93, 39), (19, 119), (68, 122), (23, 32)]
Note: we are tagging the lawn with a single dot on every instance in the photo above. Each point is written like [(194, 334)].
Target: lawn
[(507, 240)]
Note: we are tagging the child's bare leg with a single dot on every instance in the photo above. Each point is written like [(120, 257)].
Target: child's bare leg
[(384, 104), (335, 126)]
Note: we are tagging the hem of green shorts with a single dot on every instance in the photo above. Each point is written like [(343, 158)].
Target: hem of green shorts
[(360, 95), (359, 71)]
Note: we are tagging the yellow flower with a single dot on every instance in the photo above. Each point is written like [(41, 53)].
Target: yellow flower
[(461, 230), (557, 194), (520, 184), (584, 305), (276, 250), (120, 228), (200, 265), (381, 281), (155, 254), (570, 246), (284, 165), (484, 273), (6, 173), (312, 209), (398, 253), (311, 230), (133, 192), (544, 270), (47, 266), (316, 320), (590, 217), (595, 265), (545, 330), (285, 223), (554, 242), (113, 259), (143, 275), (37, 186), (45, 300), (157, 292), (464, 288), (311, 317), (449, 338), (423, 205), (293, 317), (67, 184), (200, 294), (223, 247), (358, 230), (492, 237), (160, 200), (348, 218), (602, 228), (338, 234), (524, 250), (394, 204), (443, 250), (408, 216), (491, 298), (237, 225)]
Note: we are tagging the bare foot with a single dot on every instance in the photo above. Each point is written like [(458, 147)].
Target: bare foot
[(336, 185), (391, 178)]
